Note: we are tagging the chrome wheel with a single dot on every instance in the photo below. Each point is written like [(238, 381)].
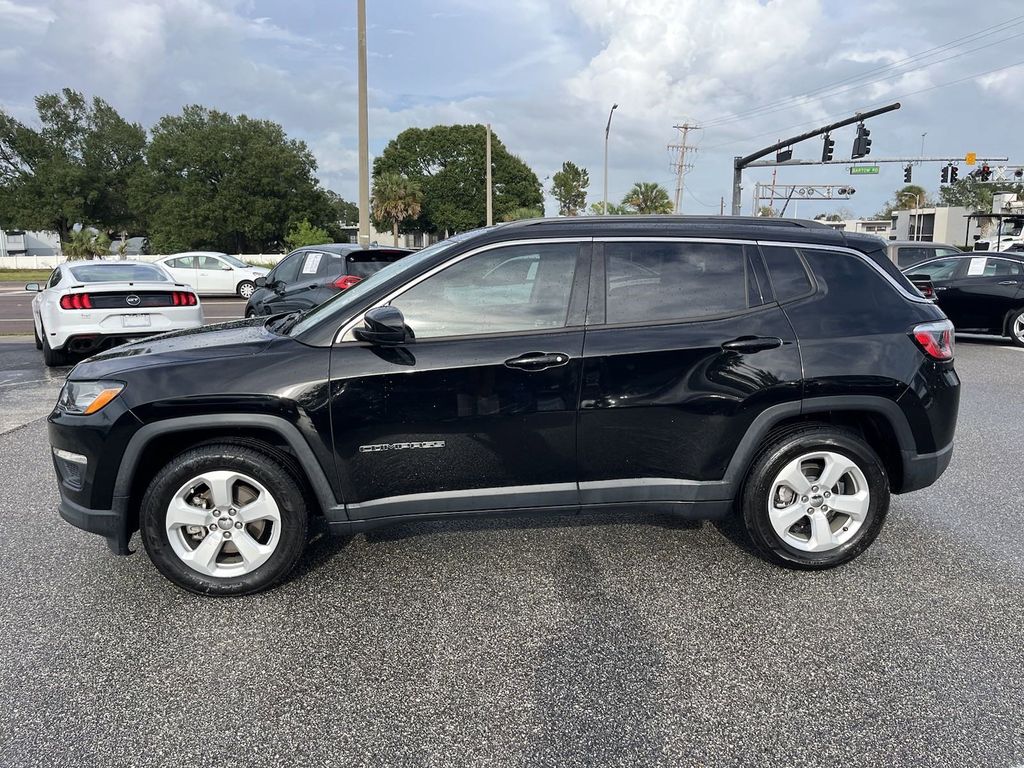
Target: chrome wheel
[(223, 523), (1018, 328), (246, 289), (818, 501)]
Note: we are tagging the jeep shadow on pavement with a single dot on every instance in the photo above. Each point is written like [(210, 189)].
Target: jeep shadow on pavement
[(776, 371)]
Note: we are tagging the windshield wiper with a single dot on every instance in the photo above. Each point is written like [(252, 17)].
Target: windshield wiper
[(287, 322)]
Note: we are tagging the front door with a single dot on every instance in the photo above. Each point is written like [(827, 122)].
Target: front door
[(685, 347), (479, 411), (215, 275)]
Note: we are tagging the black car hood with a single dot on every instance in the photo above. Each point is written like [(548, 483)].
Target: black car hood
[(233, 339)]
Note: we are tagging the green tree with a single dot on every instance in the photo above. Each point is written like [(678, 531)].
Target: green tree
[(345, 213), (85, 244), (597, 209), (523, 213), (908, 196), (304, 233), (569, 188), (228, 183), (75, 168), (394, 200), (447, 161), (648, 197), (767, 210)]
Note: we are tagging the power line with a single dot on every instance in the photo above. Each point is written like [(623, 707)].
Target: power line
[(679, 164), (813, 94)]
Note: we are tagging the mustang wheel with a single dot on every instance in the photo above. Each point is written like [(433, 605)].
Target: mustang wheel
[(246, 288), (224, 519), (815, 498)]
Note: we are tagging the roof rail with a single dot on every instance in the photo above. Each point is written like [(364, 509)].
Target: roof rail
[(753, 221)]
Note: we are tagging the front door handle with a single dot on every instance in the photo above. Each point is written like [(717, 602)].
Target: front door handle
[(537, 361), (752, 343), (941, 287), (1009, 282)]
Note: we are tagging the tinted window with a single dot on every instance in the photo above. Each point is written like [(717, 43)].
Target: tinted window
[(100, 273), (788, 276), (363, 267), (943, 269), (946, 252), (909, 255), (993, 268), (54, 278), (671, 281), (856, 295), (288, 270), (517, 288)]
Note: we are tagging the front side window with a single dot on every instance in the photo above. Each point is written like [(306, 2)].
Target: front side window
[(288, 270), (649, 282), (515, 288), (943, 269), (212, 262)]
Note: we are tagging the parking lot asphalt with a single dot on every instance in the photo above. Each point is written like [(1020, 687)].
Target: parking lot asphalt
[(595, 640), (16, 309)]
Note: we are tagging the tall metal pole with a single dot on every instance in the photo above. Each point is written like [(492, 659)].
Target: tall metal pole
[(364, 144), (490, 209), (607, 130), (737, 185)]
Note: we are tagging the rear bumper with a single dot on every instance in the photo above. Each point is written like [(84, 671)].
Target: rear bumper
[(922, 469)]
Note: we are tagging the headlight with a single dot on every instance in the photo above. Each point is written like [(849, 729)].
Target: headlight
[(85, 397)]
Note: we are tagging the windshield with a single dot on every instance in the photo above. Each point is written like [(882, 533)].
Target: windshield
[(1011, 227), (122, 273), (339, 306), (233, 261)]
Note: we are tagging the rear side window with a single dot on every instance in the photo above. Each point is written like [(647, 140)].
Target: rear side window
[(789, 278), (907, 256), (364, 265), (650, 282), (857, 296)]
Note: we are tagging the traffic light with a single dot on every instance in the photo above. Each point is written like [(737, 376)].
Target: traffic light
[(954, 171), (908, 173), (986, 172), (862, 144), (826, 150), (945, 174)]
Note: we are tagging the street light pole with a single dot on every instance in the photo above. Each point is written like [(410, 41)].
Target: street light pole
[(364, 150), (607, 130)]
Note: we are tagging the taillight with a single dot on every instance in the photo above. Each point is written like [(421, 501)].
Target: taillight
[(346, 281), (927, 291), (183, 299), (936, 339), (76, 301)]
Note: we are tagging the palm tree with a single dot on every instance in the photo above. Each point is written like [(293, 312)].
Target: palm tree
[(648, 197), (86, 243), (395, 199)]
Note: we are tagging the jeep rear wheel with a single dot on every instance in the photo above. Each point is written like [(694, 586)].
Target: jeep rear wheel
[(815, 498), (223, 519)]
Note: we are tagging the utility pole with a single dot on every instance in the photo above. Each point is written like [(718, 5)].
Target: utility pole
[(679, 165), (364, 144), (490, 208), (607, 130)]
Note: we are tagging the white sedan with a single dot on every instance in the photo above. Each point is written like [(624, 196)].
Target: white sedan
[(87, 306), (213, 273)]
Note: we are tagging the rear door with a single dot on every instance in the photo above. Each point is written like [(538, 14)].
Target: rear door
[(685, 346), (984, 293), (943, 274), (183, 270)]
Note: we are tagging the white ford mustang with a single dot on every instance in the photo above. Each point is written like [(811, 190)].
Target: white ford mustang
[(87, 306)]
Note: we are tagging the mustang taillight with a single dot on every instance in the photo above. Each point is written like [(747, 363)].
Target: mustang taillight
[(936, 339), (346, 281), (76, 301), (183, 299)]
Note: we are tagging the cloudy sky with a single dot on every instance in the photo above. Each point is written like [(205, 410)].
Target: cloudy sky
[(544, 74)]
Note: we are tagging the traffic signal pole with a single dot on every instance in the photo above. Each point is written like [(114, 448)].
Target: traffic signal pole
[(741, 162)]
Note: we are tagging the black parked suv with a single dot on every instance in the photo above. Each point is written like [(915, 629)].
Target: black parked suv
[(778, 371), (309, 276)]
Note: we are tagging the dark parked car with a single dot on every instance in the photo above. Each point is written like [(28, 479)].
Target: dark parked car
[(309, 276), (978, 292), (773, 370), (906, 253)]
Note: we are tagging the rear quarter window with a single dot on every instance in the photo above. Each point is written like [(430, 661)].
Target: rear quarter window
[(787, 272)]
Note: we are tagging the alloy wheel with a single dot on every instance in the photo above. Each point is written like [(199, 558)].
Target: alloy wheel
[(818, 501)]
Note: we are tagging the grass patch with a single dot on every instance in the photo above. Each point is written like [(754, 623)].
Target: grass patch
[(25, 275)]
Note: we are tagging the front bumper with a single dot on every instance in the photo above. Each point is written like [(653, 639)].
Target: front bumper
[(112, 524)]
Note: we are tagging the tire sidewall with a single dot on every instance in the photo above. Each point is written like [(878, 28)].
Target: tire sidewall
[(1009, 327), (269, 473), (766, 468)]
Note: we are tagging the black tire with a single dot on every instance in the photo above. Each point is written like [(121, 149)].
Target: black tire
[(1017, 339), (773, 458), (53, 358), (263, 466), (250, 313), (35, 334), (245, 289)]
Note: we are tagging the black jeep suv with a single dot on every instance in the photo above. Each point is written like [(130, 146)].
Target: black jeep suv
[(775, 370)]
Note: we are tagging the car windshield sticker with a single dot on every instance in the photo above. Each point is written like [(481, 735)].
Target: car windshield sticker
[(977, 266), (311, 263)]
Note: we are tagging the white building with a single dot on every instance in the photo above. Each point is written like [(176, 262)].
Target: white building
[(879, 227), (935, 225)]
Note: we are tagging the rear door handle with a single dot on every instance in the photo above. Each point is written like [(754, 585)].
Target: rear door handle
[(537, 361), (752, 343)]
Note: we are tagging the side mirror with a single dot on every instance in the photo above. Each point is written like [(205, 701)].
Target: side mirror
[(383, 325), (34, 287), (261, 282)]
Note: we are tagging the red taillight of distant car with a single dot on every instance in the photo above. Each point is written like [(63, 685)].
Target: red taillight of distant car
[(935, 339), (76, 301), (346, 281)]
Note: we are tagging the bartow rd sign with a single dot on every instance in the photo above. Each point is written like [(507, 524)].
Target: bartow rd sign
[(863, 170)]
